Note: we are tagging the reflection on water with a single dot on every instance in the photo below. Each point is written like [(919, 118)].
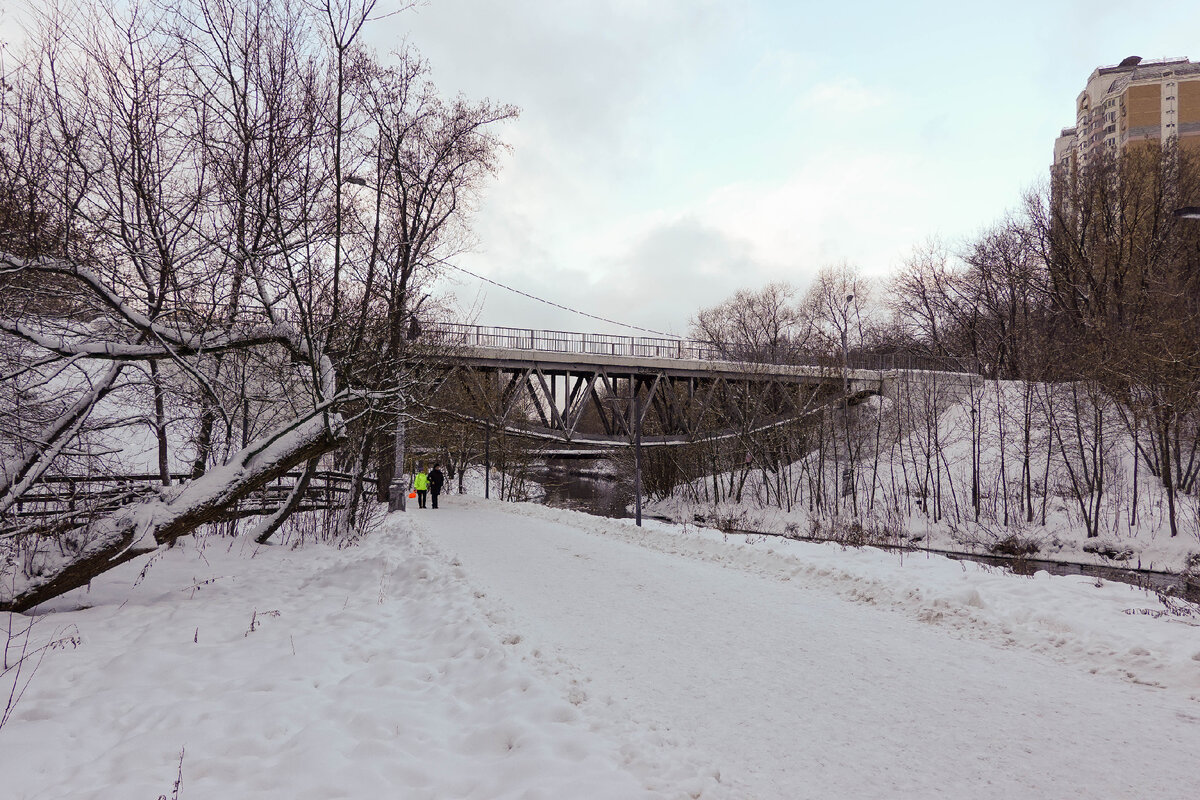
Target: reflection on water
[(583, 486)]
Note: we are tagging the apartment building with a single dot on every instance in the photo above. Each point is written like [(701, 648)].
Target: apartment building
[(1134, 101)]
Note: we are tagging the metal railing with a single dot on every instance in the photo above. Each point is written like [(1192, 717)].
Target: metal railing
[(548, 341), (567, 342)]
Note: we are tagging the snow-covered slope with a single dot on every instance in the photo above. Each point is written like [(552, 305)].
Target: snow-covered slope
[(966, 464)]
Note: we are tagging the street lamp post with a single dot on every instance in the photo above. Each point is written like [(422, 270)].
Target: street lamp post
[(636, 410), (846, 347), (848, 470), (1187, 212), (398, 488)]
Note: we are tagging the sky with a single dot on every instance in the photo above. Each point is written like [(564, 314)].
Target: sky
[(671, 152)]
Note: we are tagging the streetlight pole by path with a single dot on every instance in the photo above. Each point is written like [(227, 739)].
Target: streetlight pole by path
[(398, 488), (848, 470), (636, 409), (846, 347)]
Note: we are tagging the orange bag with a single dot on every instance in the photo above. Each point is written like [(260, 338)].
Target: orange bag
[(412, 495)]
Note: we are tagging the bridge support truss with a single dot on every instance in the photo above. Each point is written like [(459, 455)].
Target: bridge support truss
[(599, 401)]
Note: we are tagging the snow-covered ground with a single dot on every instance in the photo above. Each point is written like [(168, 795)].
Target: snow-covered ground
[(489, 650), (913, 478)]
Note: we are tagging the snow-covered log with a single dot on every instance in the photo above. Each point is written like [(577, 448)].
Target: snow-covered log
[(76, 557)]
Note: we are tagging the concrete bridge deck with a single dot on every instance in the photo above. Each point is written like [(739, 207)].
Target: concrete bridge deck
[(548, 361), (573, 351)]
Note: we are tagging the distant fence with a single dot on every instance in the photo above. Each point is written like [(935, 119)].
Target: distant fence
[(77, 498), (547, 341)]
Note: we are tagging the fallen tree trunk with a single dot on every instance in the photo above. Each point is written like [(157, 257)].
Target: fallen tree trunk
[(46, 569), (272, 523)]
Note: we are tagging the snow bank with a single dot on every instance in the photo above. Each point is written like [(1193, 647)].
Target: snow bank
[(267, 672), (1103, 627)]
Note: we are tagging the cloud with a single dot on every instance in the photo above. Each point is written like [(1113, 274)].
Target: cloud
[(663, 160), (578, 69), (674, 269), (656, 278), (838, 204), (659, 267), (844, 97)]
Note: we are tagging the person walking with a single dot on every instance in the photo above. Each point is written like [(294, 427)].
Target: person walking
[(436, 479), (421, 484)]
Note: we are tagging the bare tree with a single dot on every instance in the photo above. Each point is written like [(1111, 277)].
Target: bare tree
[(837, 302), (767, 325), (428, 164), (170, 190), (1124, 275)]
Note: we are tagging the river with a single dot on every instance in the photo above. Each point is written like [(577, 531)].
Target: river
[(588, 485)]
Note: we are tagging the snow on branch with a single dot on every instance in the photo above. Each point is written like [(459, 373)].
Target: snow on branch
[(133, 530), (122, 351), (174, 342), (19, 472)]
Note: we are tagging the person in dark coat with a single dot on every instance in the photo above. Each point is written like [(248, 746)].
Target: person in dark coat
[(436, 479)]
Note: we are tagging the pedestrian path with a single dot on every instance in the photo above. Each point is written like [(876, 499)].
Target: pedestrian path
[(796, 692)]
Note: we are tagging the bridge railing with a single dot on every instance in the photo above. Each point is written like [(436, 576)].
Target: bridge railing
[(548, 341), (568, 342)]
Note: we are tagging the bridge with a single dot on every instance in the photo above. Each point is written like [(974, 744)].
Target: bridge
[(602, 390)]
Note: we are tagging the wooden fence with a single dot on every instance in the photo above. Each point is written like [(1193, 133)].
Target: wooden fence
[(70, 500)]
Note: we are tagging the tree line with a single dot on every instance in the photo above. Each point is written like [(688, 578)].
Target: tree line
[(1074, 325)]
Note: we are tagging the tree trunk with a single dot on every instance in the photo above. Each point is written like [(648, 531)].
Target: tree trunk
[(160, 425)]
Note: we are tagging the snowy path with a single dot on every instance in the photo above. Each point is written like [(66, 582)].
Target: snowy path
[(794, 691), (515, 652)]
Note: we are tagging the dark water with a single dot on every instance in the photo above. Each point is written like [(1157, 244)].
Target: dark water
[(584, 486)]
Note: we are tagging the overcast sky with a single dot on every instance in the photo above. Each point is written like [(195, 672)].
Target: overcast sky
[(670, 152)]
